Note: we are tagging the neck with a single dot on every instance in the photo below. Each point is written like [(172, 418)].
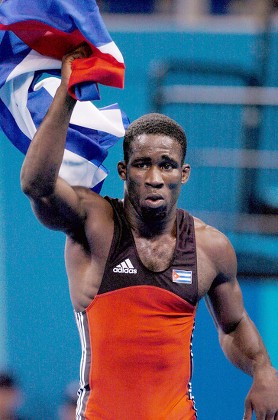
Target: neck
[(150, 227)]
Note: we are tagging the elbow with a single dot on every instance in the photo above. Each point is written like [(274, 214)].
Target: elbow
[(29, 189), (229, 327), (25, 184), (229, 331), (34, 187)]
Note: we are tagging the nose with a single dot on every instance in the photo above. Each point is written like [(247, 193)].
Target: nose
[(154, 177)]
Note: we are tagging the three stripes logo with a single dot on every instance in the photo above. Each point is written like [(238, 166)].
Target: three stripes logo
[(182, 276), (125, 267)]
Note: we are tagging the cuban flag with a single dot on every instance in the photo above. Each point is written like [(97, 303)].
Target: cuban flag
[(34, 37), (182, 276)]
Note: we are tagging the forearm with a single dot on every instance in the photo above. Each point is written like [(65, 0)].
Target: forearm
[(245, 349), (44, 157)]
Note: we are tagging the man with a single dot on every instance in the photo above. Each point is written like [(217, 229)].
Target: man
[(132, 269)]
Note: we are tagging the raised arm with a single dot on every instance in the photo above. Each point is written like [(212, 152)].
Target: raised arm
[(55, 203), (239, 338)]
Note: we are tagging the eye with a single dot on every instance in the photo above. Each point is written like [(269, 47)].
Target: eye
[(141, 165), (167, 166)]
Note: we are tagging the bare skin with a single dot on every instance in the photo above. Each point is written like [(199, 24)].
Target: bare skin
[(152, 179)]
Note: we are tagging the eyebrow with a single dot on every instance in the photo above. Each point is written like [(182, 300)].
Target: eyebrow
[(142, 158), (164, 158), (169, 160)]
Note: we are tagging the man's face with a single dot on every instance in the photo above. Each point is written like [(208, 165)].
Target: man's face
[(153, 175)]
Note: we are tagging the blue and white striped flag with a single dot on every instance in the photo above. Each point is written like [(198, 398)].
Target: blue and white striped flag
[(29, 79), (182, 276)]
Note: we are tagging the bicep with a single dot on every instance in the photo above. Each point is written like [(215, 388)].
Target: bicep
[(224, 298), (225, 304)]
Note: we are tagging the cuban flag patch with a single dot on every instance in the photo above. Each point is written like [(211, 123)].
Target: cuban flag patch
[(182, 276)]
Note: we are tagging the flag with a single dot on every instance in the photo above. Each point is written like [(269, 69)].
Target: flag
[(182, 276), (55, 27), (28, 82)]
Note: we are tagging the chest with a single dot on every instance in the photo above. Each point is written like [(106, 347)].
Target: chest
[(158, 254)]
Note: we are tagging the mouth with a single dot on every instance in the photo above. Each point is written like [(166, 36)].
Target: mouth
[(154, 199)]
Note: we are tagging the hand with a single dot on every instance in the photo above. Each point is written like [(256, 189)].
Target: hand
[(263, 397), (82, 51)]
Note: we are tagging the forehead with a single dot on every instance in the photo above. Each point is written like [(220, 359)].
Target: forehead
[(155, 144)]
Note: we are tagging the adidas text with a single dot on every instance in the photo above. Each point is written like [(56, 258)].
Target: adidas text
[(125, 267), (125, 270)]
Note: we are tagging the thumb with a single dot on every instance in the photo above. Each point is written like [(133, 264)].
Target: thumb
[(248, 411)]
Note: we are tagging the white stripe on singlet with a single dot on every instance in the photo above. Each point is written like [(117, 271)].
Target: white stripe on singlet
[(80, 320)]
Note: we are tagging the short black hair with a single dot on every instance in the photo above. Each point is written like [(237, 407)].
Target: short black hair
[(154, 123)]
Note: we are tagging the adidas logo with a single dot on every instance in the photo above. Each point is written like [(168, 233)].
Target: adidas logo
[(125, 267)]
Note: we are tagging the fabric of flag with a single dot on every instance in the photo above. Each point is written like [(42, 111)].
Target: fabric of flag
[(28, 82), (55, 27), (182, 276)]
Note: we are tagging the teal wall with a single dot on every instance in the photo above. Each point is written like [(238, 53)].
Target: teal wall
[(3, 326), (42, 340)]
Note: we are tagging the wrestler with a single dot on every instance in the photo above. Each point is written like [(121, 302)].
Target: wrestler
[(137, 269)]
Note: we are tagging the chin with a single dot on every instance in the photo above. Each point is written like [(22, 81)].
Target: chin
[(154, 213)]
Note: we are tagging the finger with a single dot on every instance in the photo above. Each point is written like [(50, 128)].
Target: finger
[(248, 411), (262, 416), (272, 416), (83, 49)]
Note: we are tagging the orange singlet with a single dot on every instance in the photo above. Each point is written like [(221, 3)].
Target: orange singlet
[(136, 334)]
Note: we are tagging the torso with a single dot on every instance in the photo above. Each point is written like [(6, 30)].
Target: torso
[(146, 301)]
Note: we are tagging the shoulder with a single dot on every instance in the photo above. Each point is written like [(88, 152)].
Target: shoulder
[(215, 247), (211, 237), (93, 202)]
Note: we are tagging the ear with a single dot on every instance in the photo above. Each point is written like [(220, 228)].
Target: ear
[(122, 170), (185, 173)]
